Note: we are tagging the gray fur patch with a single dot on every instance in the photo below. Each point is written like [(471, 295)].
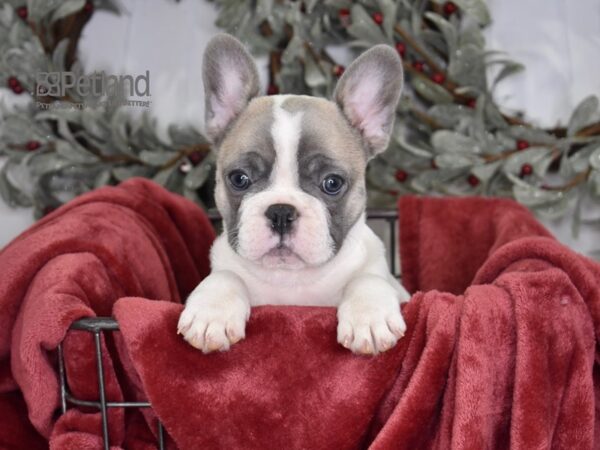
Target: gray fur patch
[(328, 145), (248, 146)]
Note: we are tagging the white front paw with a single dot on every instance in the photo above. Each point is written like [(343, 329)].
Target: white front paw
[(215, 315), (369, 318)]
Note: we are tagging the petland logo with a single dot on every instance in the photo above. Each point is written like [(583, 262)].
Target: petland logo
[(97, 88)]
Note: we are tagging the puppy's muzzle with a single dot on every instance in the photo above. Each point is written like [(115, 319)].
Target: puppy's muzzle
[(282, 217)]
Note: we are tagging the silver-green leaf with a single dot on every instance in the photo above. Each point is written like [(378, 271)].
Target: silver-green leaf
[(583, 115)]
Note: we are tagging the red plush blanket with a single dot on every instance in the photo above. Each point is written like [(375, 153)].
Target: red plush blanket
[(500, 347)]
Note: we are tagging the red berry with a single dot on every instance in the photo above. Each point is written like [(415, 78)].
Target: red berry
[(393, 193), (401, 48), (18, 89), (438, 77), (401, 175), (473, 180), (433, 164), (344, 15), (338, 70), (526, 169), (419, 66), (13, 82), (33, 145), (22, 12), (522, 144), (196, 158), (472, 103), (450, 8), (273, 89), (88, 7), (377, 18)]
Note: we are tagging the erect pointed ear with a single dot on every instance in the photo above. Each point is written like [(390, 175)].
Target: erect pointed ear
[(368, 94), (230, 82)]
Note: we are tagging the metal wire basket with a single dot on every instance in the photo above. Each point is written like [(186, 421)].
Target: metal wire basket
[(99, 325)]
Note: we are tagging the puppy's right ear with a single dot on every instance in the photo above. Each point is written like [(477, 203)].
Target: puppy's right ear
[(230, 82)]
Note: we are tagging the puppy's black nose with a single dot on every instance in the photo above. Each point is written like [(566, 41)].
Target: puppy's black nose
[(281, 216)]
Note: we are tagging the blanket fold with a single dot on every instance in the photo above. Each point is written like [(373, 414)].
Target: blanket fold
[(135, 239), (500, 349)]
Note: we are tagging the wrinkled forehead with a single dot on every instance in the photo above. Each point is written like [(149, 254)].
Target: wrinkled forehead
[(321, 129)]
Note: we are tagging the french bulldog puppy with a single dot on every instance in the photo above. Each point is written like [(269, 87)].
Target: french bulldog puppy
[(291, 190)]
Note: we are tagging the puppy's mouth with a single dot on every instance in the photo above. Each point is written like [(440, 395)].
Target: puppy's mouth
[(281, 251), (282, 256)]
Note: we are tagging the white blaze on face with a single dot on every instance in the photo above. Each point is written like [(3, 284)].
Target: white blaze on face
[(285, 131), (309, 242)]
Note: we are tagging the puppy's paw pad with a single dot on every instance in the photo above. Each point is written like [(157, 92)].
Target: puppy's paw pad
[(235, 332), (215, 338), (345, 334), (185, 322), (396, 324), (366, 348)]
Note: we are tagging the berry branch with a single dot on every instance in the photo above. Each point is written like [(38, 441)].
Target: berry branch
[(422, 161), (443, 78), (577, 180), (197, 151)]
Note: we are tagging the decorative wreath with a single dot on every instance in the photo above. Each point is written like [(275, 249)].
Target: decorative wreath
[(450, 137)]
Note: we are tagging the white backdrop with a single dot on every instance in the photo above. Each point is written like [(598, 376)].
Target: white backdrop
[(557, 40)]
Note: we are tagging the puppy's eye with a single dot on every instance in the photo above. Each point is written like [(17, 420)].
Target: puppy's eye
[(332, 184), (239, 180)]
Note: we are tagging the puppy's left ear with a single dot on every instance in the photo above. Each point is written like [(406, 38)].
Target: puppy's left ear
[(230, 82), (368, 94)]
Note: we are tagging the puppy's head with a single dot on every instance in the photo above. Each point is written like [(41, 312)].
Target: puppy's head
[(290, 169)]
